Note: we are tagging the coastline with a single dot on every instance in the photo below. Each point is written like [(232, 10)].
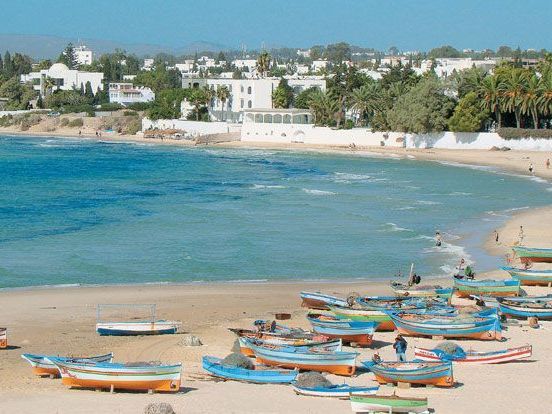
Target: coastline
[(60, 320)]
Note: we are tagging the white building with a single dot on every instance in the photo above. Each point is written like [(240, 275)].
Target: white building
[(319, 64), (249, 64), (247, 93), (84, 55), (126, 93), (148, 64), (60, 77)]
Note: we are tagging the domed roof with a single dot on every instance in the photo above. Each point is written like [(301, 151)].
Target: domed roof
[(59, 67)]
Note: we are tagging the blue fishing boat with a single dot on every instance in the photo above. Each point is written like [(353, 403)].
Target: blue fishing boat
[(526, 307), (348, 331), (317, 300), (428, 373), (488, 287), (259, 375), (42, 365), (474, 326), (530, 277), (339, 363), (334, 391)]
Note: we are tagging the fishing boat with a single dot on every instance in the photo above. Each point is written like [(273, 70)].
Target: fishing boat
[(464, 288), (320, 301), (403, 290), (387, 404), (483, 327), (526, 307), (326, 345), (133, 376), (532, 254), (158, 327), (428, 373), (43, 366), (474, 357), (348, 331), (3, 338), (381, 319), (259, 375), (342, 391), (339, 363), (528, 277)]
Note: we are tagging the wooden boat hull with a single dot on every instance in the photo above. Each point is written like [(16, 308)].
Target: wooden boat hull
[(424, 373), (3, 338), (315, 300), (123, 377), (532, 254), (381, 319), (467, 288), (486, 328), (471, 357), (371, 404), (529, 277), (342, 391), (339, 363), (279, 376), (137, 328), (330, 345), (42, 366), (423, 293), (522, 311)]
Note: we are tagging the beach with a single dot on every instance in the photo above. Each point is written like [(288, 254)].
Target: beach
[(61, 321)]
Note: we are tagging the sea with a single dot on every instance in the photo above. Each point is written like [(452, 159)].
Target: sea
[(83, 212)]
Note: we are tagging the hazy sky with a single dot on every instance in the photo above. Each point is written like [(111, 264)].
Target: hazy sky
[(407, 24)]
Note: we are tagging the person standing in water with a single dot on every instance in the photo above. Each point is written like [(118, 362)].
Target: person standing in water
[(438, 239), (531, 168), (521, 235)]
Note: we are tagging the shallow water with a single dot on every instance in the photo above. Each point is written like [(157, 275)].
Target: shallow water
[(94, 213)]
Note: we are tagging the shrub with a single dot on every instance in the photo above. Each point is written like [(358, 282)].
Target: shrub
[(130, 113), (139, 106), (108, 107), (75, 123), (6, 121), (64, 122), (519, 133), (349, 124), (133, 126)]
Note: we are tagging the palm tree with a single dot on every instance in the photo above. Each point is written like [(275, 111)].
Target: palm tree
[(530, 99), (325, 107), (48, 85), (263, 63), (513, 87), (545, 92), (223, 93), (490, 93), (364, 100)]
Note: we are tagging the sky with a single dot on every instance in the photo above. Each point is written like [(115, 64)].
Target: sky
[(407, 24)]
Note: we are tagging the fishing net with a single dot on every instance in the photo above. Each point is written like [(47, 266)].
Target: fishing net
[(235, 346), (238, 360), (311, 380), (449, 347)]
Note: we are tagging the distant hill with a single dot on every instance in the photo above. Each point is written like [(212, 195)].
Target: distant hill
[(49, 47)]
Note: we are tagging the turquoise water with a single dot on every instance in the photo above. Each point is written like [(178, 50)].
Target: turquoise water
[(95, 213)]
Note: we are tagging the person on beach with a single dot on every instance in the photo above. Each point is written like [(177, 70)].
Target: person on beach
[(400, 348), (548, 163), (438, 239), (531, 168), (80, 133), (376, 359), (521, 235), (496, 236)]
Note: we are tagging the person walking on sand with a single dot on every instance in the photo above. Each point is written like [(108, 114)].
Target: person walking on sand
[(521, 235), (531, 168), (548, 163), (496, 236), (400, 348)]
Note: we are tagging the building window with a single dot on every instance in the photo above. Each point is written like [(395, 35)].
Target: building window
[(249, 104), (241, 103), (241, 88), (249, 90)]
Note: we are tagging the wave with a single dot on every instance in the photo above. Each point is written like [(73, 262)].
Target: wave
[(405, 208), (352, 177), (392, 227), (318, 192), (263, 186), (460, 193), (470, 166), (428, 202)]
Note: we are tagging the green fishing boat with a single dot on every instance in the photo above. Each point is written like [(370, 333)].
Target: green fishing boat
[(388, 404)]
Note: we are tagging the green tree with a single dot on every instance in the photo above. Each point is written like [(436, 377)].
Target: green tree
[(69, 57), (167, 104), (302, 100), (325, 108), (423, 109), (199, 98), (364, 101), (446, 51), (88, 93), (44, 64), (530, 98), (468, 115), (282, 96), (159, 79), (263, 63), (338, 53), (491, 96), (8, 65), (60, 99), (223, 94), (513, 86), (220, 57), (545, 94)]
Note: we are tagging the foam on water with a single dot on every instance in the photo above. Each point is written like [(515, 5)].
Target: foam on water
[(265, 186), (318, 192)]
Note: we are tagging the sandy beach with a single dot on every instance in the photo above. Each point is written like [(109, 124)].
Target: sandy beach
[(61, 321)]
